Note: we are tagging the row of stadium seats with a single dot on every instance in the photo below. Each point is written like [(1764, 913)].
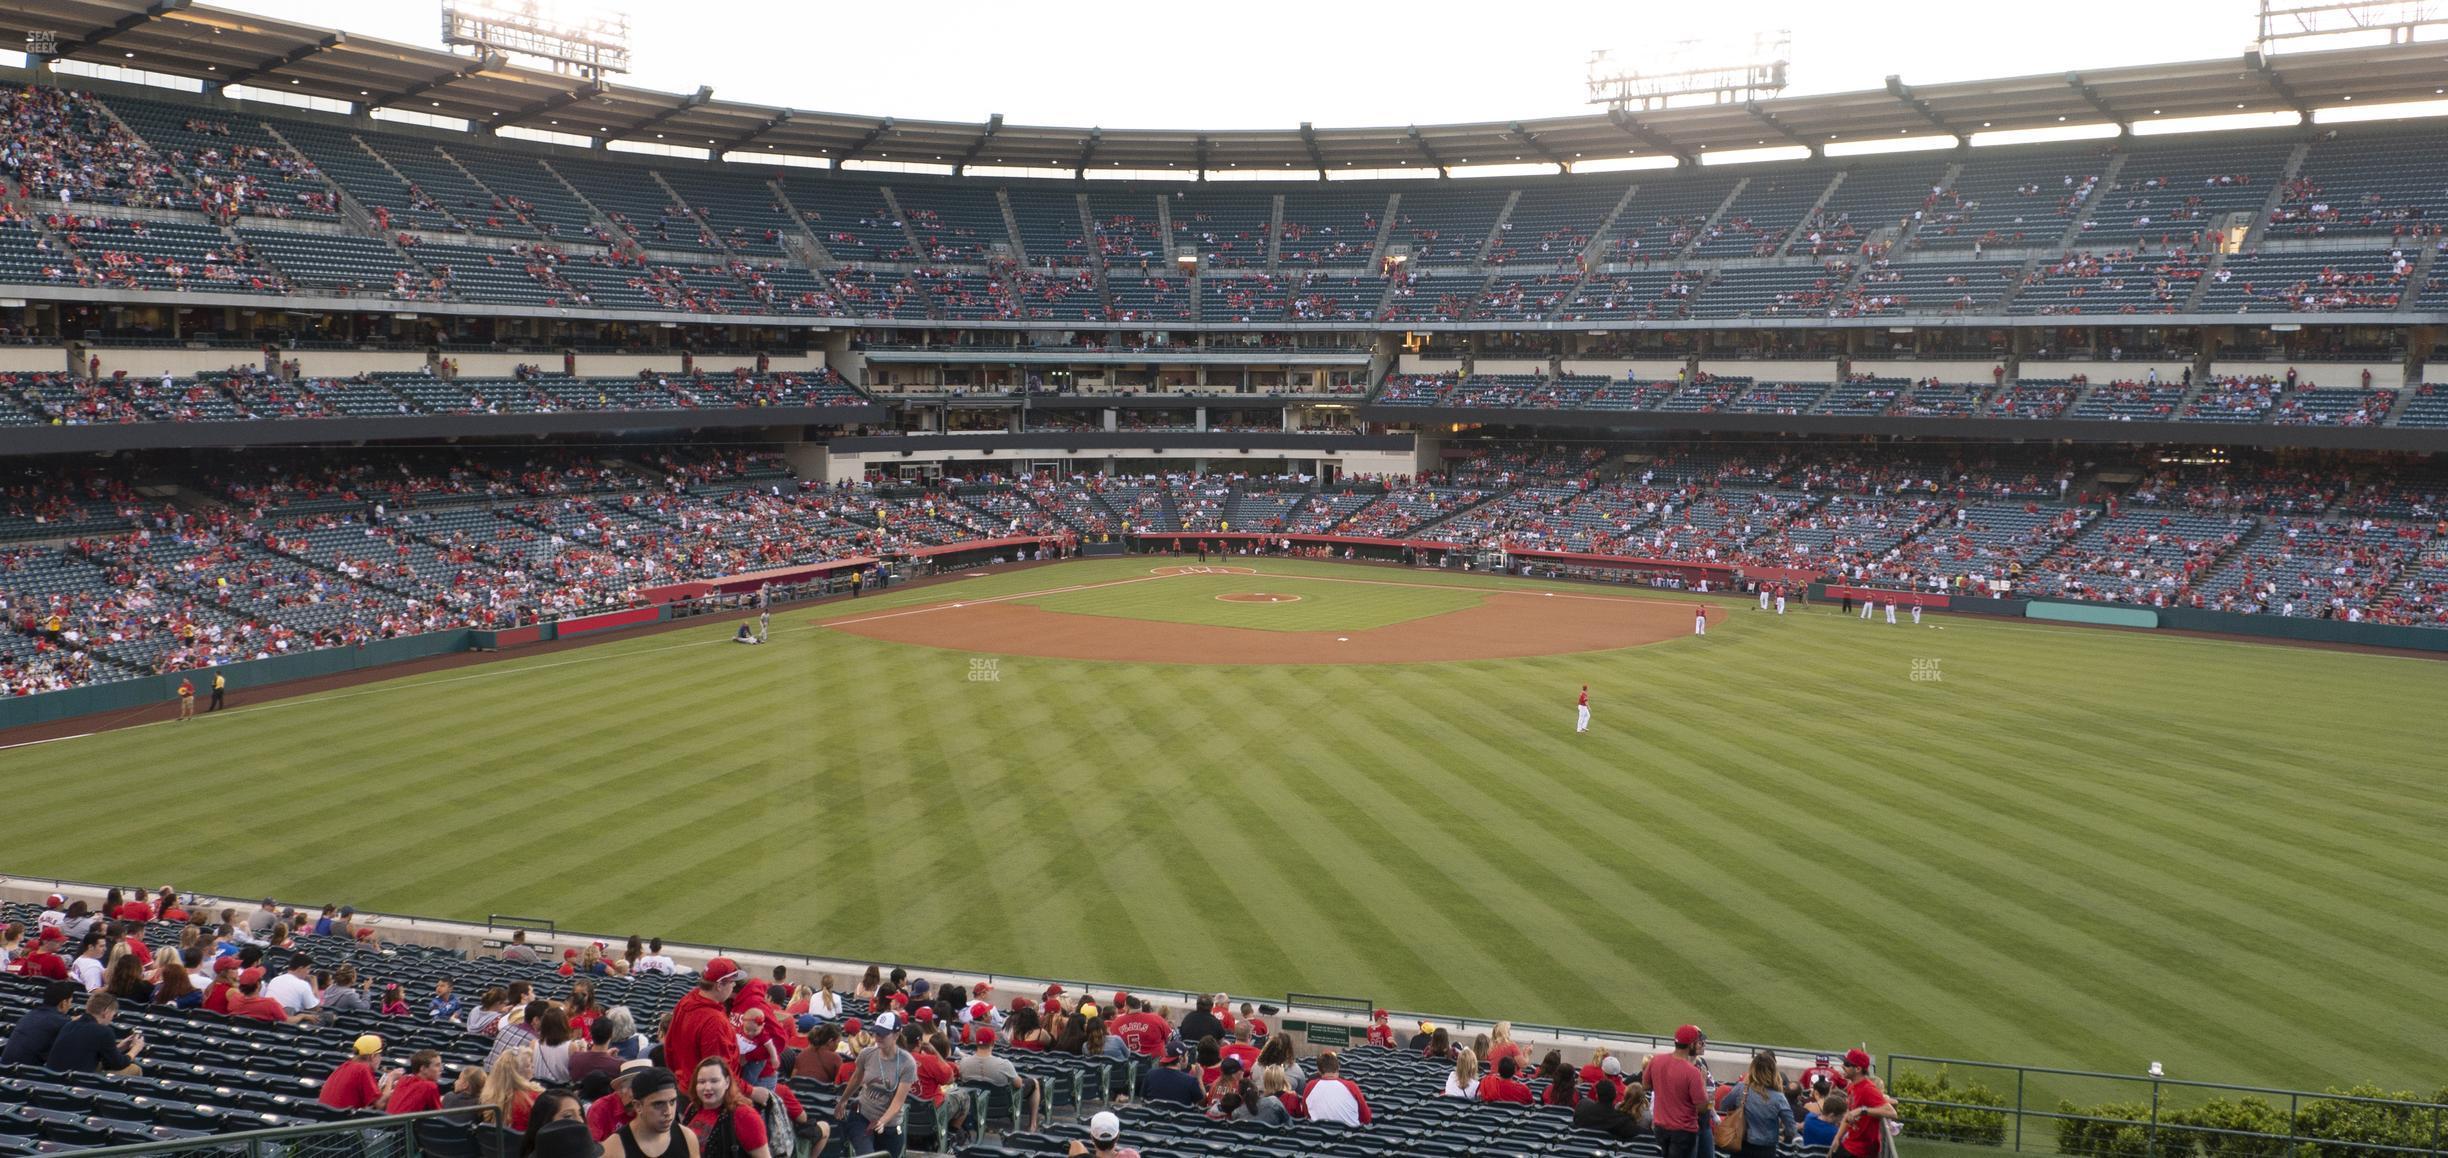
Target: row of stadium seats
[(244, 394), (2124, 241), (2263, 400)]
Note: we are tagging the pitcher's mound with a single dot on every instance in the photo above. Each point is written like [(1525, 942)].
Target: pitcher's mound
[(1256, 597)]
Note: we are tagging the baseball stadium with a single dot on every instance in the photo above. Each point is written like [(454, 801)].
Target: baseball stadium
[(1804, 621)]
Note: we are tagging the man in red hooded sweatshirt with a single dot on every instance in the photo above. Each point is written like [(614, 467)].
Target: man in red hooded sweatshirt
[(701, 1023)]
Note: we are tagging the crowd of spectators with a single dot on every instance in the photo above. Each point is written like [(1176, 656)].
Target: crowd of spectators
[(597, 1047)]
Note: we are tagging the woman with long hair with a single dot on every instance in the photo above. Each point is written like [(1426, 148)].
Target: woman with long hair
[(1027, 1032), (1767, 1113), (869, 985), (550, 1106), (824, 1003), (126, 980), (552, 1046), (510, 1088), (1095, 1042), (717, 1109), (176, 986), (1278, 1052), (629, 955), (1563, 1085), (1463, 1082), (1501, 1044), (1440, 1046), (581, 1007)]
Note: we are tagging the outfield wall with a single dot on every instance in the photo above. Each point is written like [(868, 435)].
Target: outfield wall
[(155, 690)]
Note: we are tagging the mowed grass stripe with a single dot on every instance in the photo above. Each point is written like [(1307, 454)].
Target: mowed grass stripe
[(2075, 843)]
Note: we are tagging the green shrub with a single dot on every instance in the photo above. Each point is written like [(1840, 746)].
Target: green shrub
[(2251, 1127), (2372, 1123), (1948, 1123), (2109, 1130), (2262, 1128)]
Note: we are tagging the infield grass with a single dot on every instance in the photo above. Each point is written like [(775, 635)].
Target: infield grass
[(1325, 604), (2071, 847)]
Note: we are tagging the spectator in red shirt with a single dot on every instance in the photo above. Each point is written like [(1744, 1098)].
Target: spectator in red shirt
[(1501, 1044), (353, 1085), (510, 1088), (718, 1105), (42, 960), (224, 985), (1679, 1093), (1505, 1084), (1145, 1033), (936, 1073), (137, 909), (420, 1088), (701, 1024), (1379, 1033), (251, 1002), (1862, 1132)]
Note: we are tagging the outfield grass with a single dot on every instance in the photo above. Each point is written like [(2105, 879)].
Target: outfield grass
[(2074, 847)]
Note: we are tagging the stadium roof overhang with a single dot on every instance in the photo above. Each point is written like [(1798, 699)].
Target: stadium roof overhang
[(217, 46)]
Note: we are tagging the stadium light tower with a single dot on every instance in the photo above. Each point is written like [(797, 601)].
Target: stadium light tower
[(2289, 24), (592, 47), (1687, 69)]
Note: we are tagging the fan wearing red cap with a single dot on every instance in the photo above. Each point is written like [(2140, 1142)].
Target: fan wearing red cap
[(701, 1023), (41, 958), (224, 985), (982, 1067), (1862, 1132), (1679, 1106), (1379, 1033), (251, 1001)]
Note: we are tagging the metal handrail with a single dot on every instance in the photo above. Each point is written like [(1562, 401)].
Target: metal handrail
[(2180, 1083), (2155, 1123)]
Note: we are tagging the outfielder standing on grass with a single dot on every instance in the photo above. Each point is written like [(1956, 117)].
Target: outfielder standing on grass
[(764, 606), (1583, 724), (1700, 619)]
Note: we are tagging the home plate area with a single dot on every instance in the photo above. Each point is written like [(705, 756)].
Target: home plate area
[(1217, 615)]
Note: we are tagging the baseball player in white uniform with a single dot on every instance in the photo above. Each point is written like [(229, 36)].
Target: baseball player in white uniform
[(1869, 605), (1581, 724), (764, 605), (1763, 596), (1700, 620), (1891, 612), (1916, 615)]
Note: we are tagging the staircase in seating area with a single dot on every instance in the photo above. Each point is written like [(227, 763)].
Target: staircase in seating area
[(802, 244), (1011, 225), (1700, 234)]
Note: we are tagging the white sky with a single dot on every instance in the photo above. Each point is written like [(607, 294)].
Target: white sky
[(1274, 64)]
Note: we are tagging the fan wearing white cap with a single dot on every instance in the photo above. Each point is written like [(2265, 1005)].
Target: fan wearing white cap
[(1104, 1138), (880, 1082)]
